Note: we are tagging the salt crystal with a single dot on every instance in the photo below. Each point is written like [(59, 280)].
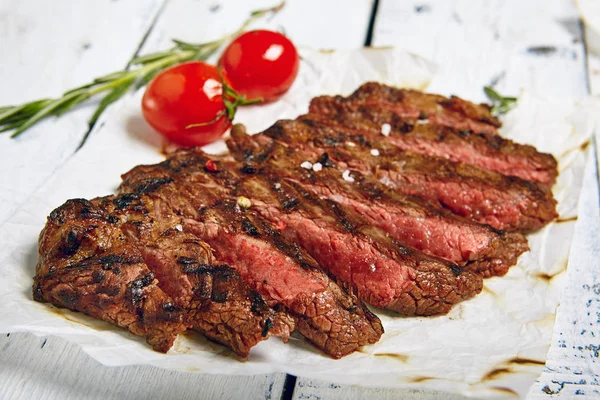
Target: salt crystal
[(386, 129), (375, 152), (372, 267), (179, 227), (306, 165), (347, 177), (350, 144), (317, 167), (277, 185)]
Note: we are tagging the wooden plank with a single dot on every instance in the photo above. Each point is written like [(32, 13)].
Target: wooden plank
[(50, 368), (572, 368), (49, 47), (512, 44)]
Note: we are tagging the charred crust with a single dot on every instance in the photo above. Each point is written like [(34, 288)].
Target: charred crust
[(170, 307), (192, 266), (456, 270), (108, 261), (219, 297), (143, 281), (204, 289), (135, 289), (37, 291), (249, 168), (68, 298), (70, 244), (151, 185), (325, 161), (257, 303), (268, 325), (342, 218), (112, 219), (123, 201), (276, 130), (290, 203), (111, 291), (250, 228), (98, 276)]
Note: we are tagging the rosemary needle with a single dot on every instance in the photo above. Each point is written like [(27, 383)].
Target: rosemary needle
[(501, 104)]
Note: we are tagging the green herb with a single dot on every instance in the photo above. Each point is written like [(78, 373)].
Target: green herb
[(501, 104), (21, 117)]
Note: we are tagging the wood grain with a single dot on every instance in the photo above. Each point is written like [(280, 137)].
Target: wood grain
[(47, 48), (51, 368)]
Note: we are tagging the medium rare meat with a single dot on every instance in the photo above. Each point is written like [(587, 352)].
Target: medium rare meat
[(407, 219), (488, 151), (505, 203), (216, 300), (412, 104), (385, 273), (329, 317)]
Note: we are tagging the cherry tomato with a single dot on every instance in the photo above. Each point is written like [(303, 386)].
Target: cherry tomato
[(184, 103), (261, 64)]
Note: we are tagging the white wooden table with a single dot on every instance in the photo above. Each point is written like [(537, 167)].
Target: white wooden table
[(48, 47)]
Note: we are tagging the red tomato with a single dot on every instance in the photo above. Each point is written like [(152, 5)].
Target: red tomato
[(261, 64), (184, 95)]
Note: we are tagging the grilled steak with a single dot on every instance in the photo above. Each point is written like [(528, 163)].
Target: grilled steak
[(411, 104), (90, 263), (401, 199), (386, 273), (87, 265), (329, 317), (216, 300), (505, 203), (407, 219), (488, 151)]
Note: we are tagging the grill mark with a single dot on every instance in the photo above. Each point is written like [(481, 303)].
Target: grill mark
[(152, 185), (194, 267)]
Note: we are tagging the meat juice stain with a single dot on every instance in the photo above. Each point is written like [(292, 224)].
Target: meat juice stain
[(400, 357), (563, 220), (81, 319), (526, 361)]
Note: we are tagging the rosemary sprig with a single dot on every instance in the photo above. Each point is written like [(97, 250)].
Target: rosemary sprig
[(19, 118), (501, 104)]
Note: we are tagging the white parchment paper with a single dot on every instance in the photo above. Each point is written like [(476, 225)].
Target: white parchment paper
[(494, 345)]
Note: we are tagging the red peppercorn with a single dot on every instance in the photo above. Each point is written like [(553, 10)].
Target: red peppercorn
[(211, 166)]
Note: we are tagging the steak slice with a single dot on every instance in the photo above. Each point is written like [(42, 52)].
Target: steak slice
[(386, 273), (215, 300), (487, 151), (505, 203), (85, 264), (412, 104), (407, 219), (332, 319)]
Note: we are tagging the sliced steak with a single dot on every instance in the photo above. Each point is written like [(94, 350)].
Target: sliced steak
[(214, 298), (487, 151), (407, 219), (412, 104), (505, 203), (329, 317), (386, 273), (87, 265)]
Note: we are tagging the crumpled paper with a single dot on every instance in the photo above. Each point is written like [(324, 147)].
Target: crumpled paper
[(494, 345)]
